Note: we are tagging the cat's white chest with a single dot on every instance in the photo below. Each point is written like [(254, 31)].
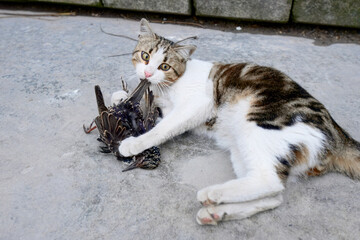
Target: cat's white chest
[(163, 101)]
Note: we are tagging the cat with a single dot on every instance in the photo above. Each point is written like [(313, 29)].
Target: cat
[(272, 127)]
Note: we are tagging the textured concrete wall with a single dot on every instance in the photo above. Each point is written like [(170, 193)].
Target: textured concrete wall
[(162, 6), (262, 10), (328, 12)]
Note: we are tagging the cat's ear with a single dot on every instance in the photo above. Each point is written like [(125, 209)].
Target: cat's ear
[(145, 29), (185, 51)]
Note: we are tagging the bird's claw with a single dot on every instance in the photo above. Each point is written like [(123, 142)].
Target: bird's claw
[(104, 149), (89, 129)]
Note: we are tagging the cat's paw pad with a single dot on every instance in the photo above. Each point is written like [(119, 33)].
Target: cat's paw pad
[(208, 216), (130, 147), (208, 197), (118, 96)]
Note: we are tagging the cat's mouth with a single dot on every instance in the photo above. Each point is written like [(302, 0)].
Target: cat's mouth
[(151, 81), (159, 87), (147, 80)]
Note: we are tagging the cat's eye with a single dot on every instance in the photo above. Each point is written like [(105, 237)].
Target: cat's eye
[(164, 67), (145, 56)]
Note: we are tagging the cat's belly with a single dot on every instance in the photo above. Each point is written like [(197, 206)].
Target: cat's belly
[(204, 130), (221, 127), (231, 123), (218, 131), (224, 137)]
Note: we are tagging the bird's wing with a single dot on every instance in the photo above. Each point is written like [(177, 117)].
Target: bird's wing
[(111, 128), (151, 111)]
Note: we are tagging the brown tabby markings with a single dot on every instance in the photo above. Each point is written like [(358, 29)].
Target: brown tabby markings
[(278, 102), (210, 123), (298, 155)]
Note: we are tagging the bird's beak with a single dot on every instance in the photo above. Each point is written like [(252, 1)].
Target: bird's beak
[(133, 165)]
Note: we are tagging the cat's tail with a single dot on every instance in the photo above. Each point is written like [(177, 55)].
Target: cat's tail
[(346, 159)]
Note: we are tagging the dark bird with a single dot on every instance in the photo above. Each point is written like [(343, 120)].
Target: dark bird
[(127, 118), (148, 159)]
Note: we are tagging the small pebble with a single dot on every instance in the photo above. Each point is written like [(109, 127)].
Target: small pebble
[(238, 28)]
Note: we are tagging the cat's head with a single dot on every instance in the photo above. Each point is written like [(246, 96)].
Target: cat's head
[(157, 59)]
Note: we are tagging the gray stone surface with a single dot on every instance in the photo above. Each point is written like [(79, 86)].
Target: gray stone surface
[(54, 184), (344, 13), (161, 6), (260, 10), (78, 2)]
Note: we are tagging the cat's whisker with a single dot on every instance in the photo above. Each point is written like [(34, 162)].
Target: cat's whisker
[(165, 84), (164, 87), (159, 89), (165, 80)]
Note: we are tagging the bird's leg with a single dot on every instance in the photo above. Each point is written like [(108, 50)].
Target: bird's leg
[(124, 86), (89, 129)]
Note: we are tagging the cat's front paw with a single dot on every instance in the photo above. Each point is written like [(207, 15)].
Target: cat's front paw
[(209, 196), (118, 96), (130, 147)]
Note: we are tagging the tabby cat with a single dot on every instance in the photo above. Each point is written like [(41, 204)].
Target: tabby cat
[(272, 126)]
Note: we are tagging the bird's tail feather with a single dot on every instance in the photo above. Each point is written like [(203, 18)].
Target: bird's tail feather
[(100, 100)]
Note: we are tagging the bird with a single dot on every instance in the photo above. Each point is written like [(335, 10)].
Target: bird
[(148, 159), (125, 119)]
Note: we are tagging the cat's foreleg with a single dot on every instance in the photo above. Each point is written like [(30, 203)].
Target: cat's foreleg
[(211, 215), (237, 162), (175, 123)]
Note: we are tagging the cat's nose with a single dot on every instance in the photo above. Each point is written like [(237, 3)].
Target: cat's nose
[(147, 74)]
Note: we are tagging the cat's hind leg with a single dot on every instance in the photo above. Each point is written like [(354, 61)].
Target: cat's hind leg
[(256, 191), (241, 190), (261, 180), (257, 188), (268, 156), (212, 214)]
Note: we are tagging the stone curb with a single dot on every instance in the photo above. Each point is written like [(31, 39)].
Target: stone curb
[(258, 10), (165, 6), (342, 13)]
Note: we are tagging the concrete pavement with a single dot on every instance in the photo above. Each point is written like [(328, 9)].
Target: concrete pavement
[(54, 184)]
